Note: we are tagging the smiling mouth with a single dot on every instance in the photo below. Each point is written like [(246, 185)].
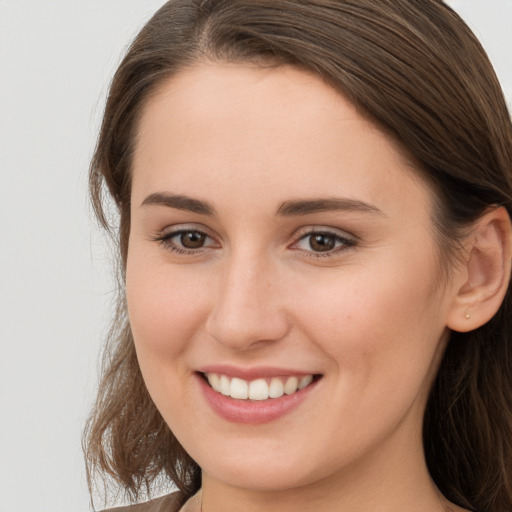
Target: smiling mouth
[(258, 389)]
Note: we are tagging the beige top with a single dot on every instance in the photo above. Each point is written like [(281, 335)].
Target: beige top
[(166, 503)]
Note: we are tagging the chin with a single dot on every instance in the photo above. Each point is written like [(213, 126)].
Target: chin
[(260, 478), (262, 468)]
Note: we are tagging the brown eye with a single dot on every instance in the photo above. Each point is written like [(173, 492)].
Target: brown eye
[(322, 242), (192, 239), (186, 241)]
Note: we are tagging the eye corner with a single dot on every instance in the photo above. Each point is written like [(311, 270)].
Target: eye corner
[(322, 241), (185, 240)]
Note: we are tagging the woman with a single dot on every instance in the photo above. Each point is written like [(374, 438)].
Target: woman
[(315, 250)]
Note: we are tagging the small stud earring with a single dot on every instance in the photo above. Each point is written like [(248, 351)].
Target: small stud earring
[(467, 315)]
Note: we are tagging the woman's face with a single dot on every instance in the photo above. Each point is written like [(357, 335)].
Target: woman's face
[(280, 240)]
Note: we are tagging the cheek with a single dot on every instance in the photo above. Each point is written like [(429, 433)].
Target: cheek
[(380, 322), (164, 307), (382, 334), (164, 311)]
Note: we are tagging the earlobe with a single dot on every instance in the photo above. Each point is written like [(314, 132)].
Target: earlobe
[(485, 275)]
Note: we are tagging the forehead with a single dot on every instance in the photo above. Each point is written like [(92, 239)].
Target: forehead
[(277, 131)]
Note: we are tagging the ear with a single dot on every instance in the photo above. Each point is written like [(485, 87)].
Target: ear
[(481, 282)]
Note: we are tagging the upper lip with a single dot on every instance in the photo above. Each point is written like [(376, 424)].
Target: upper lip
[(257, 372)]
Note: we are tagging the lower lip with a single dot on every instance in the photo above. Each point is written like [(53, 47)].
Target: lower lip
[(253, 412)]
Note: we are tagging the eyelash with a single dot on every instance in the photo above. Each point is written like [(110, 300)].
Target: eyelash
[(165, 239), (345, 243)]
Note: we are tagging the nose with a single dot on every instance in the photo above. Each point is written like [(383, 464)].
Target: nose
[(248, 311)]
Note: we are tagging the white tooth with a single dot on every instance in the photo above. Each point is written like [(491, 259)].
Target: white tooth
[(239, 389), (214, 381), (305, 381), (291, 385), (276, 388), (225, 386), (258, 390)]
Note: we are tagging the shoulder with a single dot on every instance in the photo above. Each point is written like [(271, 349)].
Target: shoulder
[(168, 503)]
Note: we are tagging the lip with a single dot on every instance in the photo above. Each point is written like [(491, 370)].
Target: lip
[(253, 412), (262, 372)]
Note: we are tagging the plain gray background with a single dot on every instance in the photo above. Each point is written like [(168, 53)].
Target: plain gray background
[(56, 59)]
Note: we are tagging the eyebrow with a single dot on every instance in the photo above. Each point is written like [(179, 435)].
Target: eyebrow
[(286, 209), (307, 206), (180, 202)]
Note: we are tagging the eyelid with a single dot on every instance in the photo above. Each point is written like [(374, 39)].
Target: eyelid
[(348, 240), (165, 236), (319, 228), (343, 239)]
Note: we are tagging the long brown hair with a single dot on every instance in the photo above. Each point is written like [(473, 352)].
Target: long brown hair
[(417, 71)]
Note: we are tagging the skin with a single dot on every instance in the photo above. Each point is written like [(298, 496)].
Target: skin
[(368, 315)]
